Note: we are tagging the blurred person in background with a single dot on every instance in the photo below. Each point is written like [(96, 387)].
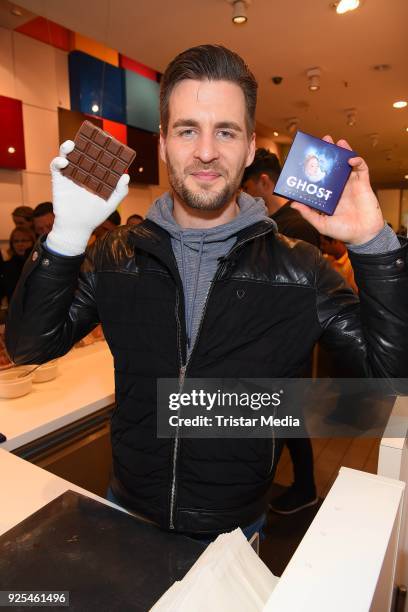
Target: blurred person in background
[(259, 181), (23, 216), (134, 220), (43, 218), (111, 223), (336, 254), (22, 240)]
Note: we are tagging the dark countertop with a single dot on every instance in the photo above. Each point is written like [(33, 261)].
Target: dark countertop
[(106, 559)]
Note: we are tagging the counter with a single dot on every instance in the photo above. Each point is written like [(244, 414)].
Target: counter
[(25, 488), (85, 384)]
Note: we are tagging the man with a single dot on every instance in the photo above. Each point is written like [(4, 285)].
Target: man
[(204, 288), (111, 223), (336, 254), (23, 216), (43, 218), (259, 180), (134, 219)]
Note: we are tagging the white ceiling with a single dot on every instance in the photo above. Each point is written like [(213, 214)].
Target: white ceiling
[(285, 38)]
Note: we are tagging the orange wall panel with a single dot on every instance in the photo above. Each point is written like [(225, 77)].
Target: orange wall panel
[(94, 48)]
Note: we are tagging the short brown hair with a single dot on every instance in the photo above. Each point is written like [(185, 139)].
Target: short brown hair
[(23, 211), (213, 63)]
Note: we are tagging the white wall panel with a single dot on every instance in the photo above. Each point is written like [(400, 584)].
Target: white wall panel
[(41, 137), (138, 201), (7, 80), (62, 76), (36, 67), (11, 196), (36, 188)]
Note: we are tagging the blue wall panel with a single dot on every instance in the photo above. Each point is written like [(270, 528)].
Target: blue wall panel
[(95, 82)]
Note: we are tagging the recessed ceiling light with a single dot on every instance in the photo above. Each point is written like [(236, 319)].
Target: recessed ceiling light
[(406, 176), (406, 129), (351, 116), (16, 11), (95, 108), (400, 104), (11, 150), (292, 124), (313, 75), (382, 67), (277, 133), (239, 12), (141, 169), (374, 139), (344, 6)]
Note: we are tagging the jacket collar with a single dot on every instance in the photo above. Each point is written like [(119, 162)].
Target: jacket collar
[(153, 239)]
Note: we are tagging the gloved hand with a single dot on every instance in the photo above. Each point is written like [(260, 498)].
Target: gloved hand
[(77, 211)]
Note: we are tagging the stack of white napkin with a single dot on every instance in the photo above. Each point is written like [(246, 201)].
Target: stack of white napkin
[(229, 576)]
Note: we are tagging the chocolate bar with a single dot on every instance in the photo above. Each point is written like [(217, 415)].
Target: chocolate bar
[(98, 160)]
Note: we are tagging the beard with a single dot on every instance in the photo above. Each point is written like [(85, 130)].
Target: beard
[(204, 198)]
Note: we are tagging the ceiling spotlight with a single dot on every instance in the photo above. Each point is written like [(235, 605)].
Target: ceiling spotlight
[(344, 6), (313, 75), (140, 169), (11, 150), (351, 115), (400, 104), (292, 125), (239, 11), (406, 176), (277, 133), (374, 139), (16, 11), (95, 108), (382, 67)]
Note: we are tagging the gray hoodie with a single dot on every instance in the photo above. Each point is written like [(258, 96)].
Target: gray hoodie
[(197, 251)]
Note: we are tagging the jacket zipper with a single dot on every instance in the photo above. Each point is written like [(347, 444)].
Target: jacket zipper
[(183, 368)]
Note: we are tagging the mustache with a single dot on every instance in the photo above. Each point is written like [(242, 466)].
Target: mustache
[(199, 166)]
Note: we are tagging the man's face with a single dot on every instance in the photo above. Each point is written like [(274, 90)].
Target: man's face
[(261, 187), (207, 146), (43, 224), (21, 242)]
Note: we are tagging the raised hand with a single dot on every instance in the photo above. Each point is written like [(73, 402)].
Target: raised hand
[(358, 216), (77, 211)]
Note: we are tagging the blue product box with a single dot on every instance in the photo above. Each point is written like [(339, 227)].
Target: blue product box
[(314, 173)]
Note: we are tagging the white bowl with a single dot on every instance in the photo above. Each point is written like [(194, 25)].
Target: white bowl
[(47, 371), (12, 386)]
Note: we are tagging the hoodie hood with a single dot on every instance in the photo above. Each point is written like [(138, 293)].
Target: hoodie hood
[(197, 251), (252, 210)]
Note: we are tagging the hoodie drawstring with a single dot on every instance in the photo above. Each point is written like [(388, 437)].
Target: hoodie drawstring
[(190, 306)]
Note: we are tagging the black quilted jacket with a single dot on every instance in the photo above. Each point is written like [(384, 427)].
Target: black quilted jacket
[(271, 299)]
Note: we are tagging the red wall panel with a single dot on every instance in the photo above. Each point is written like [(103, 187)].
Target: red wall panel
[(115, 129), (48, 32), (11, 134), (130, 64)]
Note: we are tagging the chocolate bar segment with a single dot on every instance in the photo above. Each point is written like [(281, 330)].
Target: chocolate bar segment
[(98, 160)]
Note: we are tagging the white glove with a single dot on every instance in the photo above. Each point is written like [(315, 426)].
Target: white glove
[(77, 211)]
